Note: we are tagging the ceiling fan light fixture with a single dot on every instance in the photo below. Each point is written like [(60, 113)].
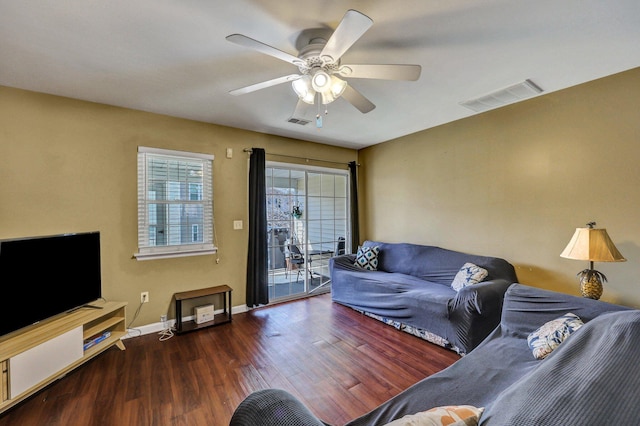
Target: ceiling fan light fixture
[(303, 89), (327, 97), (310, 97), (333, 90), (338, 86), (328, 86), (321, 81)]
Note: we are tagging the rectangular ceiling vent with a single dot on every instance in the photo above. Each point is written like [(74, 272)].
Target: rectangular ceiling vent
[(300, 121), (509, 95)]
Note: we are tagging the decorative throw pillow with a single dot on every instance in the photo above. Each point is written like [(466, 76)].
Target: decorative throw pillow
[(469, 274), (451, 415), (549, 336), (367, 258)]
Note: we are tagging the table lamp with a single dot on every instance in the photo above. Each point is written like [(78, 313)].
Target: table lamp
[(593, 245)]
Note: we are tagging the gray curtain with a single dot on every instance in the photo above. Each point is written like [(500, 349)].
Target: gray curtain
[(257, 282), (355, 222)]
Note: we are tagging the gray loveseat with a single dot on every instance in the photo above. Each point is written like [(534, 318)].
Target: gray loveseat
[(411, 290), (589, 379)]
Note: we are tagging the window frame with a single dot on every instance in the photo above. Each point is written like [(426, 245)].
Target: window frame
[(146, 251)]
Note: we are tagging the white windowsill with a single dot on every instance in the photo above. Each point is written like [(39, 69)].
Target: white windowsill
[(171, 254)]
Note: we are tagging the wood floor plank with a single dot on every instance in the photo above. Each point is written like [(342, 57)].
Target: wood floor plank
[(338, 361)]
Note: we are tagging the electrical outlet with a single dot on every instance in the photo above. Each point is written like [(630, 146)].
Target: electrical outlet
[(163, 319), (144, 297)]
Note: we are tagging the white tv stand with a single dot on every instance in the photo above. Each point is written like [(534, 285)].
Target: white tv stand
[(39, 355)]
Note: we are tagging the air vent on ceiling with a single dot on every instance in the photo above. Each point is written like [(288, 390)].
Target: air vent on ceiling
[(508, 95), (300, 121)]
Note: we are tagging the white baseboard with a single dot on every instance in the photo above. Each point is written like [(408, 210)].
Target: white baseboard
[(158, 327)]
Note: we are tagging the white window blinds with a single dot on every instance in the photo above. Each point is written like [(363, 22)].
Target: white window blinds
[(175, 204)]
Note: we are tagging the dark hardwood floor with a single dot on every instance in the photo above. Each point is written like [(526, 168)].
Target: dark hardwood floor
[(337, 361)]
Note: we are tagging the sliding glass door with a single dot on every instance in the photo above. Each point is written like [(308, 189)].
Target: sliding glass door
[(307, 219)]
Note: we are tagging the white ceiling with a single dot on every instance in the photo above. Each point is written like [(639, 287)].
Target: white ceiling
[(171, 57)]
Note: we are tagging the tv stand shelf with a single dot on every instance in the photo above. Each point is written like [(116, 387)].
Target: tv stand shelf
[(38, 355)]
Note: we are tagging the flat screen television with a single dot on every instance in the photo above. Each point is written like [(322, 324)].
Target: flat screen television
[(45, 276)]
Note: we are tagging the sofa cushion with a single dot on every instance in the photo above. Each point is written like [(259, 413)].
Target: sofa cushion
[(469, 274), (450, 415), (549, 336), (367, 257), (398, 296)]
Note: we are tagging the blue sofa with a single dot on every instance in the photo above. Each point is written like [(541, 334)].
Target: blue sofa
[(589, 379), (411, 290)]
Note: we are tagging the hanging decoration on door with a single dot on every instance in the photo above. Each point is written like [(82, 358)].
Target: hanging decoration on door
[(297, 212)]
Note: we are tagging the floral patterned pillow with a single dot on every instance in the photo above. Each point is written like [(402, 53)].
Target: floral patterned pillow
[(367, 258), (469, 274), (450, 415), (549, 336)]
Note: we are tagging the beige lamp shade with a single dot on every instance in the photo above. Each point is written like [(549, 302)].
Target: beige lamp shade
[(593, 245)]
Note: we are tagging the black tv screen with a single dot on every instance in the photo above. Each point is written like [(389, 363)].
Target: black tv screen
[(45, 276)]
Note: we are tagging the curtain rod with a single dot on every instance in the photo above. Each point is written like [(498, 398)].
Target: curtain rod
[(249, 150)]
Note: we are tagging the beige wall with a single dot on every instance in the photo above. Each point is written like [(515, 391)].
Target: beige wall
[(70, 166), (515, 182)]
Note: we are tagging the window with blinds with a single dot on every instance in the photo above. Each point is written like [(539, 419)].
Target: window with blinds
[(175, 204)]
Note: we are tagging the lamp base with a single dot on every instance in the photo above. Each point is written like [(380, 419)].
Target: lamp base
[(591, 286)]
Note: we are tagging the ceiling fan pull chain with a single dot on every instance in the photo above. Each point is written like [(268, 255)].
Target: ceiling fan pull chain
[(318, 115)]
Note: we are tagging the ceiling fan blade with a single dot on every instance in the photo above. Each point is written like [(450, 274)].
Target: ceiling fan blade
[(245, 41), (303, 111), (356, 99), (383, 72), (264, 84), (353, 25)]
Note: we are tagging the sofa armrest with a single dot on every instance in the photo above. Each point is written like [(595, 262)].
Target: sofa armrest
[(476, 311), (273, 407), (482, 298), (345, 261)]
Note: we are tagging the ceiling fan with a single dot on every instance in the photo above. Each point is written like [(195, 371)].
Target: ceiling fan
[(318, 61)]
